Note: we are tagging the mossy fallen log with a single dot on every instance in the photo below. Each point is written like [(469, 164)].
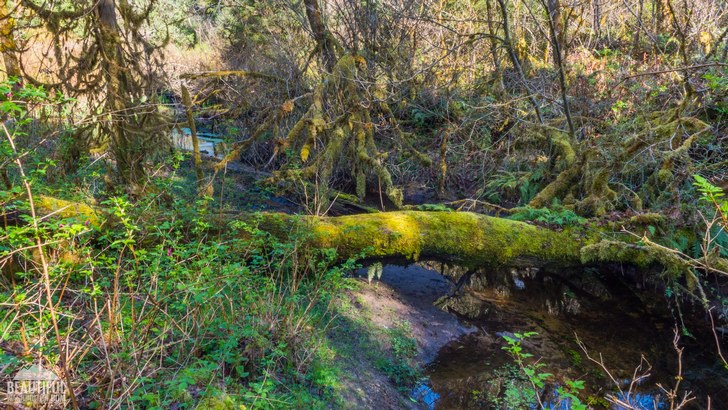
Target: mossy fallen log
[(464, 238), (49, 206)]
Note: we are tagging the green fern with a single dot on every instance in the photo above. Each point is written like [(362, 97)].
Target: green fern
[(720, 240), (715, 198), (375, 270), (553, 216)]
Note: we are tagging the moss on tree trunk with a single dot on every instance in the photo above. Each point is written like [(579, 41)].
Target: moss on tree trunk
[(464, 238)]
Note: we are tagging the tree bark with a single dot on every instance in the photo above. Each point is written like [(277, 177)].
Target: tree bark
[(8, 48), (324, 40), (597, 10), (514, 59)]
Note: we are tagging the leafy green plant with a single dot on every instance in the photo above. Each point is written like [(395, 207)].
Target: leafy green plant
[(399, 367), (712, 195), (520, 185), (619, 106), (508, 389), (375, 270), (717, 222), (556, 215), (537, 377)]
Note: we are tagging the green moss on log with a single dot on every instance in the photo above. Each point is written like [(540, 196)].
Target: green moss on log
[(67, 209), (467, 238)]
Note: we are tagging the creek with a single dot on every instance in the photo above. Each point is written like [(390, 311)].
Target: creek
[(620, 316)]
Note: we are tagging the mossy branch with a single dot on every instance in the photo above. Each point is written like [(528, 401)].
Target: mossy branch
[(234, 73), (464, 238)]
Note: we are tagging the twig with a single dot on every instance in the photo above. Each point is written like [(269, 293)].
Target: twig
[(671, 70), (717, 341)]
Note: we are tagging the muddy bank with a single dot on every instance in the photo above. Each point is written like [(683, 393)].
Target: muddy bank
[(377, 324), (409, 293)]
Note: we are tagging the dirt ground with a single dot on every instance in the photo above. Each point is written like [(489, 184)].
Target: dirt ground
[(403, 295)]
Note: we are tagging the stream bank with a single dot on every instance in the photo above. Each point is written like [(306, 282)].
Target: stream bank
[(459, 362)]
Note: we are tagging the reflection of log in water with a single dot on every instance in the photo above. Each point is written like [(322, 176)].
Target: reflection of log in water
[(614, 320)]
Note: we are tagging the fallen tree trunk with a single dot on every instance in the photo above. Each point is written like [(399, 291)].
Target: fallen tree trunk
[(464, 238)]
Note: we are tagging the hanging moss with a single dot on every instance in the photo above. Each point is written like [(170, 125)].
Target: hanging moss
[(339, 117)]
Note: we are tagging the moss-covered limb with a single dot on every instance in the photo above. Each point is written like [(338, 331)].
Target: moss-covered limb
[(464, 205), (650, 218), (404, 138), (50, 206), (232, 73), (585, 178), (563, 146), (566, 162), (600, 196), (645, 255), (556, 188), (639, 255), (465, 238), (660, 127), (338, 118)]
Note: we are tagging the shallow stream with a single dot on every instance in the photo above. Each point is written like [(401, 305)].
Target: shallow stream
[(619, 320)]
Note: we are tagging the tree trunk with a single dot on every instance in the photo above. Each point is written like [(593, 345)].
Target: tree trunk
[(324, 40), (597, 10), (464, 238), (128, 153), (558, 35), (494, 49), (8, 48), (638, 28), (514, 59)]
